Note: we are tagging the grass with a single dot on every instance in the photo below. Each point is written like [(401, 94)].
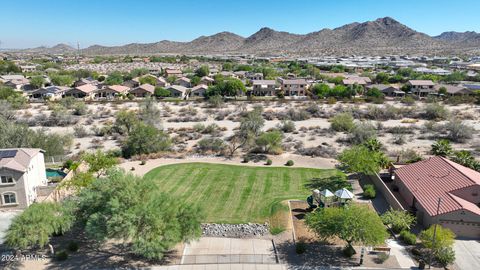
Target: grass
[(238, 194)]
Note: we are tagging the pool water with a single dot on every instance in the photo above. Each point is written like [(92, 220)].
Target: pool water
[(51, 173)]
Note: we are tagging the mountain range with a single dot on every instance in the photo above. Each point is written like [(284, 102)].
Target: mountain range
[(379, 37)]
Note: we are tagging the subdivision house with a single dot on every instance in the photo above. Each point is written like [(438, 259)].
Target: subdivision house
[(143, 90), (293, 87), (84, 81), (264, 87), (50, 92), (86, 91), (111, 91), (388, 90), (199, 90), (18, 84), (423, 183), (453, 90), (6, 78), (173, 72), (207, 80), (135, 82), (350, 81), (178, 91), (183, 81), (161, 82), (254, 76), (421, 88), (22, 172)]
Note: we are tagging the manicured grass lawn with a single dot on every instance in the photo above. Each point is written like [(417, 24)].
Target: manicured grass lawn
[(237, 194)]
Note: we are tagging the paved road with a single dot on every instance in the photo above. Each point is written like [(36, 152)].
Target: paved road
[(467, 253)]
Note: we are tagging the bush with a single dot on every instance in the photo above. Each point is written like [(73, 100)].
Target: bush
[(72, 246), (80, 131), (398, 220), (408, 100), (436, 111), (382, 257), (215, 145), (143, 162), (300, 247), (287, 126), (362, 132), (369, 191), (342, 122), (445, 256), (61, 255), (408, 237), (458, 131), (289, 163), (349, 251), (269, 162)]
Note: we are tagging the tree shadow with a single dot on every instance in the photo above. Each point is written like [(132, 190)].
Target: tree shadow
[(332, 183)]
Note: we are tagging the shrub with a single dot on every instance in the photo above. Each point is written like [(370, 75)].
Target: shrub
[(458, 131), (72, 246), (61, 255), (276, 230), (369, 191), (287, 126), (408, 100), (445, 256), (408, 237), (269, 162), (143, 162), (362, 132), (289, 163), (436, 111), (382, 257), (215, 145), (349, 251), (342, 122), (80, 131), (300, 247), (398, 220)]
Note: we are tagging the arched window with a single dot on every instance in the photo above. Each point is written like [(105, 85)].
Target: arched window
[(9, 198)]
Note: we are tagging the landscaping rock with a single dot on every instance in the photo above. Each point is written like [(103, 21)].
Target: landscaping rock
[(234, 230)]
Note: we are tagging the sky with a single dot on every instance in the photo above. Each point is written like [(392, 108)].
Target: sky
[(33, 23)]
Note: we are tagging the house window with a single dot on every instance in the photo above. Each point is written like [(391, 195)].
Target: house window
[(9, 198), (6, 179)]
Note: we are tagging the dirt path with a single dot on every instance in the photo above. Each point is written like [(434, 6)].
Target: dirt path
[(278, 161)]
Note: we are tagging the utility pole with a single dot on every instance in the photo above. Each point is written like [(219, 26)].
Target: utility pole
[(434, 234), (78, 52)]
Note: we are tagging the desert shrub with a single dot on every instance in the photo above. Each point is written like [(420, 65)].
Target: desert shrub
[(80, 131), (435, 111), (209, 144), (318, 151), (342, 122), (457, 131), (269, 162), (300, 247), (215, 101), (348, 251), (294, 115), (199, 127), (408, 237), (382, 257), (399, 139), (362, 132), (369, 191), (398, 220), (289, 163), (287, 126), (445, 256), (79, 108), (408, 100), (270, 142), (212, 129)]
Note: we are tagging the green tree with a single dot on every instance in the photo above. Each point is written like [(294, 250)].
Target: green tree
[(444, 237), (36, 224), (321, 90), (352, 223), (62, 80), (125, 120), (161, 92), (37, 81), (148, 80), (202, 71), (145, 139), (114, 78), (442, 148), (79, 181), (360, 159), (466, 159), (398, 220), (99, 162), (270, 142), (124, 207)]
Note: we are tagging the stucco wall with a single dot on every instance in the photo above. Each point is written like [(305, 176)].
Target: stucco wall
[(389, 197)]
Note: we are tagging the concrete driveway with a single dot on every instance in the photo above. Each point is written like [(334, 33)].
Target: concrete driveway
[(5, 220), (467, 254)]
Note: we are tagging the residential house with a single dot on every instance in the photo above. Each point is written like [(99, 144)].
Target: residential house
[(19, 84), (135, 82), (86, 91), (254, 76), (199, 90), (6, 78), (50, 92), (161, 82), (207, 80), (173, 72), (453, 90), (178, 91), (111, 91), (293, 87), (353, 80), (143, 90), (240, 74), (441, 191), (84, 81), (421, 88), (183, 81), (388, 90), (22, 172), (264, 88), (28, 68)]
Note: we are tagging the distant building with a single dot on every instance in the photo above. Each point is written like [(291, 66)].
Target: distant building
[(388, 90), (293, 87), (178, 91), (421, 88), (183, 81), (86, 91), (199, 90), (50, 92), (453, 90), (143, 90), (111, 91), (173, 72), (254, 76), (22, 172), (423, 183)]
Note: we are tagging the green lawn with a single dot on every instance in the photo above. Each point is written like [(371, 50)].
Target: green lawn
[(237, 194)]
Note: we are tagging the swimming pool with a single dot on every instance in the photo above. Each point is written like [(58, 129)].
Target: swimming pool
[(51, 173)]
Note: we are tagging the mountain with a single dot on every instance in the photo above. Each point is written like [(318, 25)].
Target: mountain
[(57, 49), (469, 38), (378, 37)]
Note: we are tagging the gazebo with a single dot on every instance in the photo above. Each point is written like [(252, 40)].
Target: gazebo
[(326, 197), (344, 195)]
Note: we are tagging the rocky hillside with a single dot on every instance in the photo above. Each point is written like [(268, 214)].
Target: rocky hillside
[(57, 49), (379, 37)]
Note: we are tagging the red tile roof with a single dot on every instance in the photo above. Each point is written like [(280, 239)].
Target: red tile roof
[(435, 178)]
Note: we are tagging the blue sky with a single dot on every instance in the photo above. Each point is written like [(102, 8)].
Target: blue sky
[(30, 23)]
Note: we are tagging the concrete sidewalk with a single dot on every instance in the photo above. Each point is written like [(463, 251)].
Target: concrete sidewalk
[(402, 256), (222, 267)]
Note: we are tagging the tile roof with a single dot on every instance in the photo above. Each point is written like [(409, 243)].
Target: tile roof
[(20, 158), (87, 88), (421, 82), (147, 87), (118, 88), (437, 177)]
